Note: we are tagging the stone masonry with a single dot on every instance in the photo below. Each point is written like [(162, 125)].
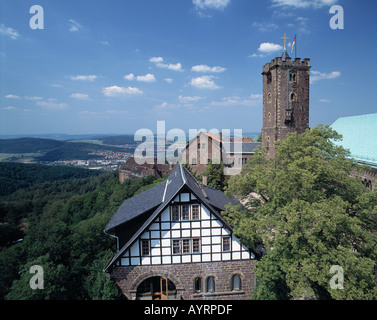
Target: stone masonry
[(183, 276)]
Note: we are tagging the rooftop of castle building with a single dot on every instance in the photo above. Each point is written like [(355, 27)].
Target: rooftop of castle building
[(359, 136)]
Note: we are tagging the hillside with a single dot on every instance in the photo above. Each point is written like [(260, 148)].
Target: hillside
[(59, 225), (14, 176)]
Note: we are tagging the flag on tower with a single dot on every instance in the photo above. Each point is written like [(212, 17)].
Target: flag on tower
[(293, 44)]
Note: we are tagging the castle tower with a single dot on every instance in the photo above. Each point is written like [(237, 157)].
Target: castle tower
[(285, 99)]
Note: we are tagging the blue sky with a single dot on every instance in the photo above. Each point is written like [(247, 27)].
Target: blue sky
[(117, 66)]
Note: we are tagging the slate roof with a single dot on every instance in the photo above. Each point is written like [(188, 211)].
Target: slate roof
[(159, 197), (247, 147), (359, 136)]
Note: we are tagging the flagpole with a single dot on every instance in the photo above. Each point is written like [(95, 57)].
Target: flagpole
[(295, 48)]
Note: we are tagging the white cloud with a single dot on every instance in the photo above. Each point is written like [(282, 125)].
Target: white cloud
[(115, 91), (8, 108), (165, 107), (51, 104), (316, 4), (253, 100), (80, 96), (268, 47), (189, 99), (33, 98), (74, 25), (12, 96), (169, 80), (84, 78), (211, 4), (9, 32), (147, 78), (265, 27), (130, 77), (204, 82), (324, 100), (159, 63), (205, 68), (156, 59), (316, 75)]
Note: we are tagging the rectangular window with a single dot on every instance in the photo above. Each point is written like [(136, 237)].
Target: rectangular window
[(145, 247), (185, 212), (226, 243), (195, 212), (176, 246), (175, 213), (186, 246), (195, 245)]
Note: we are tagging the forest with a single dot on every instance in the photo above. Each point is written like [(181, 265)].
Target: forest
[(57, 222)]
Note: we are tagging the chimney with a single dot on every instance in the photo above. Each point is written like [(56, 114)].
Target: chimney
[(220, 136), (204, 179)]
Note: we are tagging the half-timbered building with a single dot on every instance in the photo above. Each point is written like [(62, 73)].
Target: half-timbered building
[(173, 243)]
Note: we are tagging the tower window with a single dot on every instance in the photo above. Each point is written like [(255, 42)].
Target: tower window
[(176, 247), (210, 284), (185, 212), (198, 284), (226, 243), (145, 247), (195, 245), (292, 77), (269, 99), (186, 246), (236, 282), (293, 96), (269, 117), (175, 213), (195, 212)]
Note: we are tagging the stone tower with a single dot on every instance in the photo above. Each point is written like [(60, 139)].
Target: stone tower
[(285, 99)]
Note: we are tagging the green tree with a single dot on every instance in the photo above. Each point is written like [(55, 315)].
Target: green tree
[(215, 175), (307, 211), (55, 281)]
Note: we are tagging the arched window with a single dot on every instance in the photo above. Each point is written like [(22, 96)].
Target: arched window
[(210, 284), (198, 284), (293, 96), (236, 282)]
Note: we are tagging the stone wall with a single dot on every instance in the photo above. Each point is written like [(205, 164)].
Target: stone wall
[(183, 276)]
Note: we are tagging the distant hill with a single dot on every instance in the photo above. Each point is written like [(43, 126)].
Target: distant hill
[(53, 150), (118, 140), (28, 145)]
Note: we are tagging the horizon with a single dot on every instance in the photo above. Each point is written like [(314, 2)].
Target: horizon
[(123, 66)]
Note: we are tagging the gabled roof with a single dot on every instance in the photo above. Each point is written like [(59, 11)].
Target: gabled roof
[(359, 136), (229, 145), (159, 197)]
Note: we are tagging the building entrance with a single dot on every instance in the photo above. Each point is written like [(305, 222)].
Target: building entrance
[(156, 288)]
